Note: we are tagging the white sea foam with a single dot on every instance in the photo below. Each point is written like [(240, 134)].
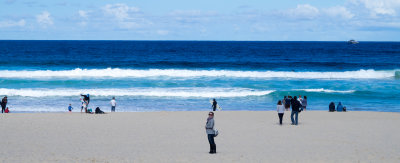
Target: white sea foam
[(326, 90), (132, 73), (157, 92)]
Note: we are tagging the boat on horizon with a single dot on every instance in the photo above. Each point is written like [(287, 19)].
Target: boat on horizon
[(352, 41)]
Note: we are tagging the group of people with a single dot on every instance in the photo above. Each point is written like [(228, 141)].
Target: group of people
[(85, 100), (339, 108), (297, 104)]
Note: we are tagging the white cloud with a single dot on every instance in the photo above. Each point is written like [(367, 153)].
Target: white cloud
[(380, 7), (339, 11), (162, 32), (5, 24), (192, 16), (44, 18), (83, 14), (304, 11), (120, 11), (126, 16)]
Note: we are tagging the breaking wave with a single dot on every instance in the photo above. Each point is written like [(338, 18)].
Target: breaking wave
[(156, 92), (184, 73)]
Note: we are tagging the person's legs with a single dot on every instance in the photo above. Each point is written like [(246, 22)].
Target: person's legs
[(3, 108), (291, 117), (280, 117), (214, 146), (211, 142), (112, 108), (297, 116)]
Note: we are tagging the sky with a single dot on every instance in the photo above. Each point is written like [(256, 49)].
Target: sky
[(258, 20)]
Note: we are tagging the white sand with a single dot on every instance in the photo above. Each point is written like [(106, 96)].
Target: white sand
[(245, 136)]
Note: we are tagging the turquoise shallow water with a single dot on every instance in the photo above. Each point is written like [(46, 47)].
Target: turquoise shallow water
[(46, 76)]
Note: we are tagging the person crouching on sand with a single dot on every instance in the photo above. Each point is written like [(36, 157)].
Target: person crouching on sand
[(211, 132), (281, 110), (70, 108)]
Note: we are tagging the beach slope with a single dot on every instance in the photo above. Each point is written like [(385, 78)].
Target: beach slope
[(245, 136)]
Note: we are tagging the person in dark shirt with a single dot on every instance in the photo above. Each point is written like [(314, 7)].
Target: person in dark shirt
[(3, 104), (295, 110), (214, 105), (332, 107)]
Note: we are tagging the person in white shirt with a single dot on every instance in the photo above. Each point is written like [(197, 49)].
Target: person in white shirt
[(281, 110), (113, 104)]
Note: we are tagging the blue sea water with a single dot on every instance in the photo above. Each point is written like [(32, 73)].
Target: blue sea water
[(46, 76)]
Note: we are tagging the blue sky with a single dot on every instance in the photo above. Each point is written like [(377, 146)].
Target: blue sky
[(271, 20)]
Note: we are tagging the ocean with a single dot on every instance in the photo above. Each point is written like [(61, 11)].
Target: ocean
[(46, 76)]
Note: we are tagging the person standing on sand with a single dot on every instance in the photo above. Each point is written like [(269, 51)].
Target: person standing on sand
[(214, 105), (287, 103), (281, 110), (211, 132), (295, 110), (3, 104), (113, 104), (304, 103), (82, 104)]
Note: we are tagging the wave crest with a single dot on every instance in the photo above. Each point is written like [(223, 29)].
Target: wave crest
[(326, 90), (157, 92), (132, 73)]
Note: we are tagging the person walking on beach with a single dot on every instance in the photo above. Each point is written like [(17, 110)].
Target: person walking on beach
[(113, 104), (214, 104), (295, 110), (3, 104), (281, 110), (211, 132), (287, 103)]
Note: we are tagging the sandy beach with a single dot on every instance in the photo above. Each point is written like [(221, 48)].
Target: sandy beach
[(245, 136)]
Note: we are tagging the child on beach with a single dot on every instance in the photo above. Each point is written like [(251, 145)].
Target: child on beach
[(7, 111), (70, 108)]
